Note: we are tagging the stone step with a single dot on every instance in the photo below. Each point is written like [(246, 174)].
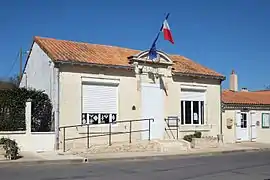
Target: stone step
[(173, 145), (139, 146)]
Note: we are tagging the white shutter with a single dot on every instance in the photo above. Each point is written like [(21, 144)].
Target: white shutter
[(238, 125), (192, 95), (253, 116), (99, 103), (99, 98)]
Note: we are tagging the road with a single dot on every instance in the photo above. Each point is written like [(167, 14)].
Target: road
[(246, 166)]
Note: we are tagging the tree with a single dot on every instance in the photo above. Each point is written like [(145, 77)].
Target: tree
[(15, 80), (10, 83)]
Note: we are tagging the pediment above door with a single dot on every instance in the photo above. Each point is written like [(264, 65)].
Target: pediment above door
[(162, 58)]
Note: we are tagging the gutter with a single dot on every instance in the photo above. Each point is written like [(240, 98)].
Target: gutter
[(222, 78), (233, 106), (70, 62)]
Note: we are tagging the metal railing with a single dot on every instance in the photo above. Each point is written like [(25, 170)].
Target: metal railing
[(109, 134), (173, 124)]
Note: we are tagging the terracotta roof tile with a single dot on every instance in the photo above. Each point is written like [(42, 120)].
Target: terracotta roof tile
[(242, 97), (63, 50)]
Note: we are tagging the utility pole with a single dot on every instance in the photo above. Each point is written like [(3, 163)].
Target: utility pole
[(20, 75)]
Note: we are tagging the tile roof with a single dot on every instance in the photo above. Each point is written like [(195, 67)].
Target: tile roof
[(242, 97), (63, 50)]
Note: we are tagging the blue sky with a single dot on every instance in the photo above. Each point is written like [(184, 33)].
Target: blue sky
[(223, 34)]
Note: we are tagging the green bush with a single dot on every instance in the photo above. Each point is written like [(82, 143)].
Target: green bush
[(11, 148), (198, 134), (189, 137), (12, 110)]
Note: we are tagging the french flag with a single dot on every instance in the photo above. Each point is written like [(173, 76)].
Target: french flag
[(165, 28), (167, 31)]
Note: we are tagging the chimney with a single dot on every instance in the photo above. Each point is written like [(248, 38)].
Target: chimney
[(244, 89), (233, 81)]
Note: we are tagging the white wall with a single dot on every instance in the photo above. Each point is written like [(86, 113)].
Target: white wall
[(32, 141), (38, 72), (262, 134)]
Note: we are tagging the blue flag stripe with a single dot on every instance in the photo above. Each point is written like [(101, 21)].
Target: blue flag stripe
[(152, 51)]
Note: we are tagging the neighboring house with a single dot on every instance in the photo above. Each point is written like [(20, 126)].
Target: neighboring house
[(6, 85), (246, 115), (99, 84)]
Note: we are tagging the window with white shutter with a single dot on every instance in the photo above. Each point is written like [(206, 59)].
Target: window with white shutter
[(99, 103), (192, 106)]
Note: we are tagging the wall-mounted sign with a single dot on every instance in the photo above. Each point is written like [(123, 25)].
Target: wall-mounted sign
[(265, 120)]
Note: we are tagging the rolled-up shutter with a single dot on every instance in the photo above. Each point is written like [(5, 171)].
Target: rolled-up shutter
[(192, 95), (99, 103)]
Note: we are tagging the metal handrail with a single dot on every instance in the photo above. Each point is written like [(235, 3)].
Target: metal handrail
[(176, 126), (110, 133)]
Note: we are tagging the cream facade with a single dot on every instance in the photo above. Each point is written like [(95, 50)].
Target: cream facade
[(131, 101), (106, 97), (242, 125)]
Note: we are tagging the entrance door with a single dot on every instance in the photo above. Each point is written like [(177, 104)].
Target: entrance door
[(253, 125), (152, 107), (242, 126)]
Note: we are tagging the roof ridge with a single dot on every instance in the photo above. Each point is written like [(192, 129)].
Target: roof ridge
[(105, 45)]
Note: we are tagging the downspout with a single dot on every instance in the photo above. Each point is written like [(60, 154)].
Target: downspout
[(56, 103)]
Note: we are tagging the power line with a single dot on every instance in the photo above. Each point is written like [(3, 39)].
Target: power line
[(13, 64)]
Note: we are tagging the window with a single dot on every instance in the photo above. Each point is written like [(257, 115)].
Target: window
[(99, 103), (192, 112), (243, 120), (265, 120), (192, 105)]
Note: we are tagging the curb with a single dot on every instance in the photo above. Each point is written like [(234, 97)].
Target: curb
[(166, 156), (43, 162), (130, 158)]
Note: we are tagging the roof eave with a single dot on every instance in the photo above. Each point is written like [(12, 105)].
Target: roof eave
[(244, 105), (70, 62), (222, 78)]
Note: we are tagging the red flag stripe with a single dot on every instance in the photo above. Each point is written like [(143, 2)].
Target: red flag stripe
[(167, 32)]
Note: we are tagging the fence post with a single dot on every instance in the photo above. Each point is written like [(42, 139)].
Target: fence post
[(177, 124), (149, 129), (130, 131), (64, 139), (110, 134), (28, 113), (88, 138)]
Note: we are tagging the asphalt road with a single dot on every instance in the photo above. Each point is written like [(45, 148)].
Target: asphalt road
[(246, 166)]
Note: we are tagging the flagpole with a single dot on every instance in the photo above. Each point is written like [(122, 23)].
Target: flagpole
[(167, 16), (152, 52)]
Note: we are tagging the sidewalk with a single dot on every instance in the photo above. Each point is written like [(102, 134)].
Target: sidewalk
[(228, 148), (66, 158), (50, 157)]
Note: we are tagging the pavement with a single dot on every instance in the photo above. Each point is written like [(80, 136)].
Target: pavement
[(67, 158), (240, 166)]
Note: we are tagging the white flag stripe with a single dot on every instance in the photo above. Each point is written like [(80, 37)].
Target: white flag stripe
[(166, 25)]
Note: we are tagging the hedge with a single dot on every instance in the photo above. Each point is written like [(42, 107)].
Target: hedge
[(12, 110)]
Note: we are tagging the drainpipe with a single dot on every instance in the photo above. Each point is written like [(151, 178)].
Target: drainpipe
[(56, 105), (221, 122)]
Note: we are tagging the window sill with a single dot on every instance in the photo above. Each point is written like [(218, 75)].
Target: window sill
[(193, 127)]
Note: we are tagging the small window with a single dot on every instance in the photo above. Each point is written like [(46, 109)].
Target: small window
[(182, 112), (202, 112), (265, 120), (187, 112), (192, 112), (195, 112)]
